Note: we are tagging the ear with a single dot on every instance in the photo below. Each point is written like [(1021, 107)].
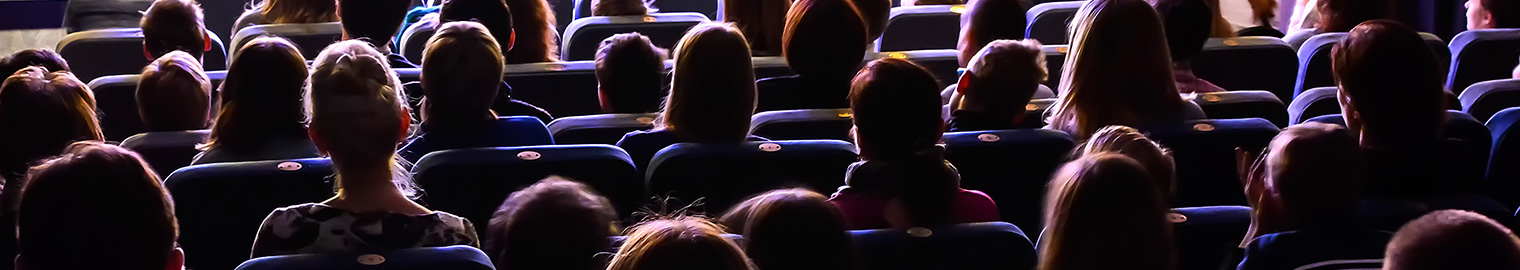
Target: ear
[(964, 83), (207, 37), (511, 39), (176, 260), (20, 263), (147, 54), (601, 98), (405, 116), (316, 139)]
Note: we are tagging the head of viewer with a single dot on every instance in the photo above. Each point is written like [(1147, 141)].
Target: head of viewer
[(174, 25), (985, 21), (824, 39), (58, 223), (493, 14), (1453, 239), (1080, 217), (1131, 143), (1187, 25), (792, 229), (45, 58), (26, 96), (461, 72), (1342, 15), (762, 22), (1313, 176), (261, 97), (895, 109), (1095, 92), (618, 7), (1002, 77), (712, 90), (630, 74), (1487, 14), (358, 115), (534, 23), (555, 223), (1390, 87), (679, 243), (376, 21), (174, 94)]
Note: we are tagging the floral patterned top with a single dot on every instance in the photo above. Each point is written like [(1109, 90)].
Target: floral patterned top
[(318, 228)]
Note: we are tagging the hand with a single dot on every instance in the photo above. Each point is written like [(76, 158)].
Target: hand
[(1251, 171)]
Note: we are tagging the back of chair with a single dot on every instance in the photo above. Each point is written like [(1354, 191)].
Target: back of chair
[(712, 9), (1209, 237), (943, 63), (1048, 21), (1484, 99), (1011, 166), (1244, 104), (987, 245), (414, 39), (220, 15), (1505, 153), (600, 128), (1248, 63), (221, 205), (1314, 59), (1204, 151), (311, 38), (584, 35), (724, 174), (771, 66), (1314, 103), (1465, 147), (562, 88), (167, 151), (1481, 55), (119, 51), (1055, 61), (1034, 113), (425, 258), (815, 124), (473, 182), (922, 28)]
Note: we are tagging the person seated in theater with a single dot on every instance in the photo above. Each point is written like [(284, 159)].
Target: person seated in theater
[(261, 116), (59, 222), (45, 58), (498, 21), (461, 71), (1453, 239), (1304, 191), (996, 85), (792, 229), (174, 25), (1391, 96), (553, 224), (376, 21), (985, 21), (1084, 216), (619, 7), (174, 94), (1187, 25), (679, 242), (712, 95), (1335, 16), (630, 74), (287, 12), (903, 180), (1490, 14), (1131, 143), (823, 43), (26, 137), (762, 22)]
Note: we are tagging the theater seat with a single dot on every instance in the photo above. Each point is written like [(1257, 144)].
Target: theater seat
[(1505, 153), (1209, 237), (1011, 166), (987, 245), (425, 258), (943, 64), (712, 9), (1048, 21), (221, 205), (167, 151), (1467, 144), (724, 174), (600, 128), (922, 28), (116, 103), (1244, 104), (1055, 62), (414, 39), (310, 38), (562, 88), (1034, 113), (771, 67), (119, 51), (473, 182), (506, 131), (1314, 59), (1314, 103), (815, 124), (1205, 154), (584, 35), (1481, 55), (1248, 63), (1484, 99)]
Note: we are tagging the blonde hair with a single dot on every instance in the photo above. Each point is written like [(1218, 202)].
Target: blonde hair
[(682, 242), (296, 11), (462, 69), (353, 102), (174, 94), (1096, 89), (712, 89), (1131, 143), (1010, 64), (1081, 218)]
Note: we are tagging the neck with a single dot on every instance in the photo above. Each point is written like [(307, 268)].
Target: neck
[(368, 188)]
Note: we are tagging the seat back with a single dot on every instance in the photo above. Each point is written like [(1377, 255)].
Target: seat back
[(1314, 59), (1034, 113), (1484, 99), (562, 88), (473, 182), (1314, 103), (712, 9), (415, 38), (814, 124), (1209, 237), (1205, 154), (663, 29), (310, 38), (221, 205), (922, 28), (1481, 55), (1011, 166), (943, 63), (119, 51), (600, 128), (1248, 63), (167, 151), (1505, 152), (987, 245), (221, 15), (1244, 104), (1467, 144), (724, 174), (1055, 62), (116, 104), (441, 258), (1048, 21), (771, 66)]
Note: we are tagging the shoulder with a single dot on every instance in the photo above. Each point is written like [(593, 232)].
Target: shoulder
[(641, 136)]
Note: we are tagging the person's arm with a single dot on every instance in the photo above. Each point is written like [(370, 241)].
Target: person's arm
[(265, 241)]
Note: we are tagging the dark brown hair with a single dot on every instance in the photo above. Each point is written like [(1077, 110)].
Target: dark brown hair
[(552, 224), (1081, 218), (461, 72), (1453, 239), (618, 7), (1506, 13), (1393, 80), (762, 22), (45, 58), (712, 89), (792, 229), (1342, 15), (59, 223), (40, 114), (1187, 25), (988, 20), (896, 109), (824, 38), (171, 25), (296, 11), (537, 39), (630, 72), (376, 21), (493, 14), (261, 97), (174, 94)]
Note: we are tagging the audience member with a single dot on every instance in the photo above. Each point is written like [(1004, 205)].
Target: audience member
[(619, 7), (25, 97), (552, 224), (174, 25), (679, 243), (462, 69), (48, 60), (173, 94), (1332, 16), (537, 38), (1392, 99), (761, 21), (493, 14), (823, 43), (903, 180), (1096, 93), (1304, 192), (1243, 14), (375, 21), (987, 20), (792, 229), (934, 2), (354, 100), (1186, 23), (998, 81), (85, 15), (1487, 14), (287, 11), (630, 74), (1453, 239), (1131, 143), (66, 198), (874, 13), (261, 115), (1082, 218), (712, 94)]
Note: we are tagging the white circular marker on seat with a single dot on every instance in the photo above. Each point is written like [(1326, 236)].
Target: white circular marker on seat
[(770, 147), (644, 120), (371, 259), (289, 166), (1205, 127), (989, 137), (529, 155), (920, 232), (1176, 217)]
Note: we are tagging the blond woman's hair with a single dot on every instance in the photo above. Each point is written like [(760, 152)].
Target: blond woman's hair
[(353, 102), (1119, 71), (682, 242)]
